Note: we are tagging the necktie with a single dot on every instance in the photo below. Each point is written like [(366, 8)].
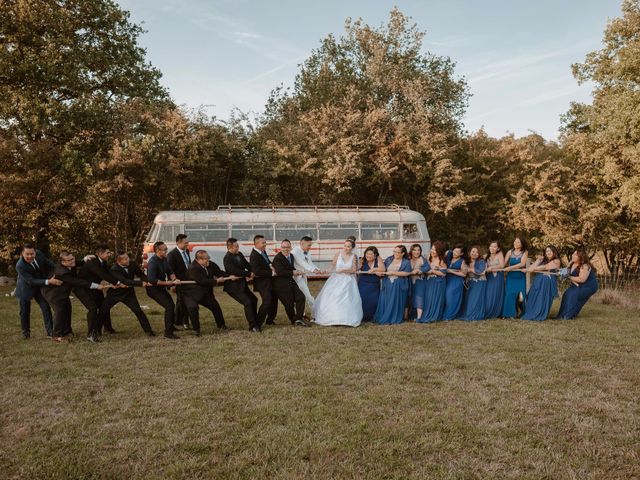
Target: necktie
[(290, 259), (185, 257), (126, 270), (265, 256), (35, 266)]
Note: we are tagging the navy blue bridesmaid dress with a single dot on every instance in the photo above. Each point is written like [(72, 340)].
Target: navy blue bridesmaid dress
[(474, 302), (540, 298), (369, 287), (416, 285), (393, 295), (576, 296), (516, 285), (454, 292), (434, 287), (494, 292)]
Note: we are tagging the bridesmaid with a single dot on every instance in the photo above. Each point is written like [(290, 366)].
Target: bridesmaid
[(495, 281), (515, 289), (454, 290), (474, 303), (369, 283), (416, 285), (583, 285), (395, 288), (434, 285), (545, 286)]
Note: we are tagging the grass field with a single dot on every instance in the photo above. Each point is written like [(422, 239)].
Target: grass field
[(493, 399)]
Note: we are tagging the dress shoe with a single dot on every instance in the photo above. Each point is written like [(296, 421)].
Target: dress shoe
[(224, 327), (197, 333), (26, 335), (110, 330), (171, 336), (94, 338), (255, 329), (299, 323), (150, 333), (270, 322), (186, 326)]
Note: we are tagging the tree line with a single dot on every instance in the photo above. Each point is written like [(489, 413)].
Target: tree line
[(92, 145)]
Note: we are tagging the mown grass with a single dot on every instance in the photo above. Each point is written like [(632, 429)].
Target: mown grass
[(493, 399)]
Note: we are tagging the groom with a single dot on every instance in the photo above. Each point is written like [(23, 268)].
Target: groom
[(303, 263), (286, 288)]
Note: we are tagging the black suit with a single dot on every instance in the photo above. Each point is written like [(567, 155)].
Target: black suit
[(177, 264), (202, 293), (263, 284), (126, 276), (237, 265), (96, 271), (58, 298), (158, 270), (287, 289), (31, 278)]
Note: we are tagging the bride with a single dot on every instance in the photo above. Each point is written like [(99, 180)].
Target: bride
[(339, 303)]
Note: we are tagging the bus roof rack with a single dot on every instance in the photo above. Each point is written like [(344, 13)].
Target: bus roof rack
[(316, 208)]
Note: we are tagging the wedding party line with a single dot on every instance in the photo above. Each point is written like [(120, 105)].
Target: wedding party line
[(445, 284)]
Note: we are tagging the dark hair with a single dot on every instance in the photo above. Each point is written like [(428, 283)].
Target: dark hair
[(556, 255), (63, 254), (523, 241), (200, 252), (306, 238), (101, 247), (157, 245), (352, 238), (27, 246), (405, 254), (257, 237), (371, 248), (285, 240), (440, 249), (120, 253), (231, 241), (583, 257), (352, 242), (488, 255), (477, 247), (415, 245), (463, 252), (180, 236)]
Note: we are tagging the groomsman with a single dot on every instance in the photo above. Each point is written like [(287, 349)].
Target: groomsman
[(180, 259), (304, 264), (58, 297), (125, 273), (235, 264), (160, 276), (96, 270), (285, 286), (206, 274), (34, 269), (263, 273)]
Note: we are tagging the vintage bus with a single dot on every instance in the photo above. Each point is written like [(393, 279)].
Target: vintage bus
[(381, 226)]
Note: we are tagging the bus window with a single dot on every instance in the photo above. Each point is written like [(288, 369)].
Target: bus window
[(151, 237), (410, 231), (245, 233), (379, 231), (168, 233), (337, 231), (218, 232), (295, 231)]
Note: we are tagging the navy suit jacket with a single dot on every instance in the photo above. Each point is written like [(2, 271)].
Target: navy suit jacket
[(29, 281)]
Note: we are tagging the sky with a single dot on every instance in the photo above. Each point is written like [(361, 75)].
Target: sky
[(516, 55)]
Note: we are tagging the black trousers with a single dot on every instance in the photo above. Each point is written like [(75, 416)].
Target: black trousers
[(25, 313), (61, 317), (91, 302), (269, 305), (250, 303), (182, 315), (292, 298), (164, 299), (131, 301), (207, 301)]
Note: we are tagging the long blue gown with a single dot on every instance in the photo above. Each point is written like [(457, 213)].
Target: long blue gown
[(515, 285), (416, 287), (474, 302), (434, 287), (576, 296), (540, 297), (454, 292), (393, 295), (494, 294), (369, 287)]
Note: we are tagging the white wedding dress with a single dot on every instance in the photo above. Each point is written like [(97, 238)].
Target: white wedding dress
[(339, 303)]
